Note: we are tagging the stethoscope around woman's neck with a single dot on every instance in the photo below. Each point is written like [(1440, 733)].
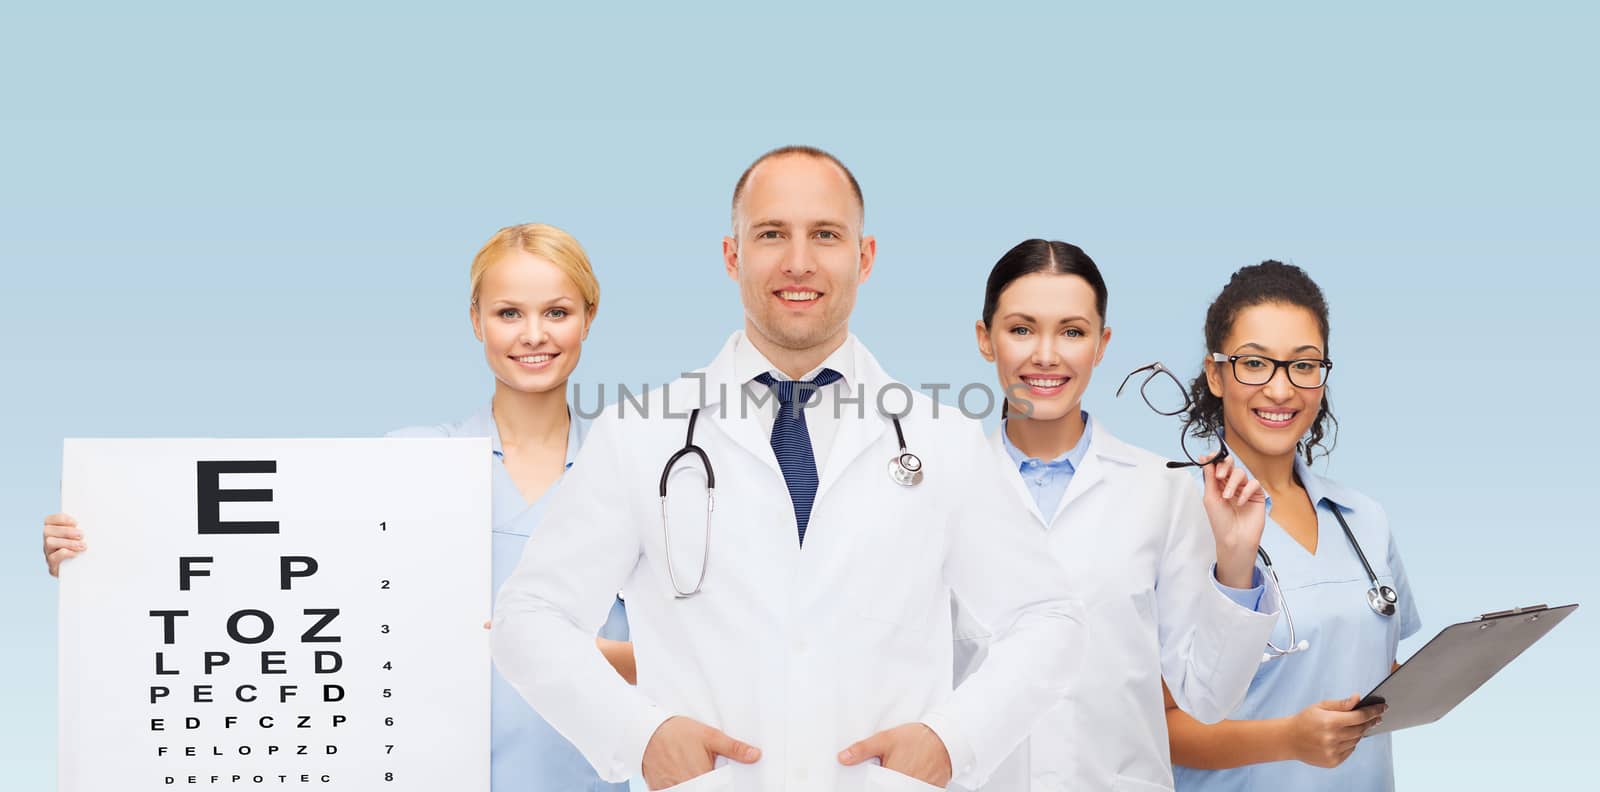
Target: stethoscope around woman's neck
[(1383, 599)]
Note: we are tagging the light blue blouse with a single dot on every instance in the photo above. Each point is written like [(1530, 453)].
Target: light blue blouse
[(1351, 647), (526, 754), (1048, 480)]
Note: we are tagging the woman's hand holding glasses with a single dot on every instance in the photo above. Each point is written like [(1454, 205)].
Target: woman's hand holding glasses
[(1235, 503), (1237, 509)]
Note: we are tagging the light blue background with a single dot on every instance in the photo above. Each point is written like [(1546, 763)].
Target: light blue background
[(251, 223)]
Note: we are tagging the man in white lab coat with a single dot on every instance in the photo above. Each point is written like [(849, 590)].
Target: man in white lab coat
[(813, 648)]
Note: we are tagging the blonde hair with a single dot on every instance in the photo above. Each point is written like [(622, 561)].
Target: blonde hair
[(544, 241)]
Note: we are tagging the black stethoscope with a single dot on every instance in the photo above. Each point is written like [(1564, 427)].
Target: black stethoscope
[(1383, 600), (905, 469)]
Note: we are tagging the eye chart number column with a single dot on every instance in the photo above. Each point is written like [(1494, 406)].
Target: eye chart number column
[(385, 678)]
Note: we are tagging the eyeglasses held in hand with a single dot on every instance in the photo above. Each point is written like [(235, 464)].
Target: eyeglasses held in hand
[(1164, 393)]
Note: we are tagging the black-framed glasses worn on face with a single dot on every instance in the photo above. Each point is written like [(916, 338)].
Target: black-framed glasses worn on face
[(1163, 392), (1307, 373)]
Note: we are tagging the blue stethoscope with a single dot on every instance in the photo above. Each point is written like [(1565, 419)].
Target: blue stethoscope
[(905, 469)]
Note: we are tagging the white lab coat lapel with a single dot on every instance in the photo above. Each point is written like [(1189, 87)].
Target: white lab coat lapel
[(1106, 453), (832, 544), (722, 404), (1106, 456), (725, 429), (1014, 476), (860, 426)]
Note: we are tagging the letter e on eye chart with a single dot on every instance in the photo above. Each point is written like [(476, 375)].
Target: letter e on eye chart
[(276, 613)]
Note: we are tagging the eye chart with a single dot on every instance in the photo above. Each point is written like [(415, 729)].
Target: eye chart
[(276, 614)]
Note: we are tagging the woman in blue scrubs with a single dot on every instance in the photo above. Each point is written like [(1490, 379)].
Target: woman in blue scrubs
[(534, 296), (1264, 389)]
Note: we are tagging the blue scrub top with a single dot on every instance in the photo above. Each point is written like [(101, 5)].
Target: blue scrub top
[(526, 754), (1351, 647)]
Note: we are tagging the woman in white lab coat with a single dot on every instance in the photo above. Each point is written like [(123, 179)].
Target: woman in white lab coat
[(534, 296), (1168, 577)]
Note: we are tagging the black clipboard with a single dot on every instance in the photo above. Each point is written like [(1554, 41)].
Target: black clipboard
[(1457, 662)]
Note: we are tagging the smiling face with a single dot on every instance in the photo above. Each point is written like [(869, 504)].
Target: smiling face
[(531, 319), (1045, 339), (797, 253), (1269, 419)]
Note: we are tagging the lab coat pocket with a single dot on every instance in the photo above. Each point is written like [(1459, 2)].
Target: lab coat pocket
[(1122, 783), (720, 778), (879, 777)]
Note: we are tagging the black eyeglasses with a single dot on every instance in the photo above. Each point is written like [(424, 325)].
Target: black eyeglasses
[(1163, 392), (1307, 373)]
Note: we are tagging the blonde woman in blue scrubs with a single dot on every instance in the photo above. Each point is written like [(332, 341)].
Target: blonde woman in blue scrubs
[(534, 296), (1264, 388)]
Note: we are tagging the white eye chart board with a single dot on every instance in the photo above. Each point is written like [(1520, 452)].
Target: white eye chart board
[(276, 614)]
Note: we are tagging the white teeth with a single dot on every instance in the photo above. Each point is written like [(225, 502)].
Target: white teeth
[(534, 358), (1275, 416), (1040, 382), (802, 296)]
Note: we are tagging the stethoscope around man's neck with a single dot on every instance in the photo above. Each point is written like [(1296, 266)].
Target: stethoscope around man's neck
[(905, 469)]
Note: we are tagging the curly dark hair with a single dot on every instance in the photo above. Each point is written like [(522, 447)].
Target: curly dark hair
[(1267, 282)]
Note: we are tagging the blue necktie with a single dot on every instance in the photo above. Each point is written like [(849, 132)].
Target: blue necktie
[(791, 441)]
